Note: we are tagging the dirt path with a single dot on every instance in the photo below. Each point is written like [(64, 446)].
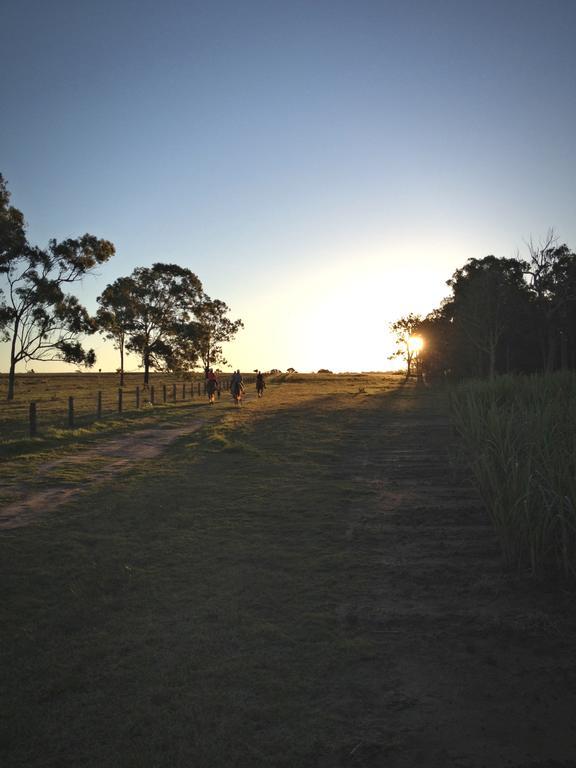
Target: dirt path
[(120, 452), (475, 667), (346, 605)]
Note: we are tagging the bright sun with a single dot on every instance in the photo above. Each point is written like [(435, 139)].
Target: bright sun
[(415, 343)]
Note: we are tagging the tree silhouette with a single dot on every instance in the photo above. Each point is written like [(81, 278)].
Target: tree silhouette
[(38, 318), (505, 315), (212, 329), (551, 271), (163, 301), (115, 316), (487, 293), (403, 330)]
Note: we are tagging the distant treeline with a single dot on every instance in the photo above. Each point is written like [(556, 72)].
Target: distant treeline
[(504, 315)]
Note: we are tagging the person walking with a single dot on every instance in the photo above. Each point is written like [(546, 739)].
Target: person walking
[(211, 385), (260, 384), (237, 386)]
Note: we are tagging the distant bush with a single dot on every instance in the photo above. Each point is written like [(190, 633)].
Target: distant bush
[(324, 370)]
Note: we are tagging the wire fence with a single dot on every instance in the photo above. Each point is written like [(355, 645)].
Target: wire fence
[(68, 401)]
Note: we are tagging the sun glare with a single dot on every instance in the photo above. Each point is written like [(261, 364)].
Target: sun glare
[(340, 319), (415, 344)]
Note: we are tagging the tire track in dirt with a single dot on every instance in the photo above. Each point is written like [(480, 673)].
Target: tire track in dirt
[(471, 669), (121, 451)]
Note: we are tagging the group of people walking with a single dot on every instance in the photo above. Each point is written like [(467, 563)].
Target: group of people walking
[(236, 386)]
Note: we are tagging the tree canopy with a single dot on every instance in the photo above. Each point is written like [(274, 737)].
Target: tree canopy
[(504, 315), (38, 318), (115, 316), (163, 299), (213, 329), (403, 330), (162, 314)]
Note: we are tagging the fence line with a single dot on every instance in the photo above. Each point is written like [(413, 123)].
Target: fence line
[(85, 408)]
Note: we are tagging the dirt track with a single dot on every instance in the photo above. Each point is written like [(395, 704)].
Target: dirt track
[(477, 668), (120, 452)]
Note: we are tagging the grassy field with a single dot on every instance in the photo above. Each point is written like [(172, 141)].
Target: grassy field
[(302, 582), (196, 598), (50, 392)]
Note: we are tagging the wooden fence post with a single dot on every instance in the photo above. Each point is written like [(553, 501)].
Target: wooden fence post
[(33, 421), (163, 393), (99, 406), (184, 391), (174, 392), (198, 389), (137, 398), (152, 394), (120, 394), (71, 412)]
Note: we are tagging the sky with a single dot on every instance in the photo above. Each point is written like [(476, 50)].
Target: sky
[(322, 166)]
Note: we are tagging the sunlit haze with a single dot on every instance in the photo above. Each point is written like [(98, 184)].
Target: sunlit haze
[(415, 343), (323, 167)]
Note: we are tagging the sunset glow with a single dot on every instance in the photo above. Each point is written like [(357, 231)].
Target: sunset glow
[(415, 344), (322, 196)]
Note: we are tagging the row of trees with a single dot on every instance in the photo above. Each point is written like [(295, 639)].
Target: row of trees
[(160, 312), (503, 315)]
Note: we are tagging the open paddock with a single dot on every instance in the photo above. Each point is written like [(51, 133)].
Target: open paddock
[(308, 580), (45, 403)]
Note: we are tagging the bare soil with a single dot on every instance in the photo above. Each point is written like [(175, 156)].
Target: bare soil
[(121, 452)]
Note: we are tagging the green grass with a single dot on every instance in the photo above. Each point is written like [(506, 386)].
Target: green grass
[(188, 614)]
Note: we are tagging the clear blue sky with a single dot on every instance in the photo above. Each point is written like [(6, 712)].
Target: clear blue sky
[(322, 166)]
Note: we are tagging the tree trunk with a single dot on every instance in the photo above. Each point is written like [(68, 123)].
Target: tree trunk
[(543, 349), (12, 372), (408, 361), (551, 355), (11, 380), (121, 364), (491, 362), (563, 351), (206, 359), (146, 369)]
